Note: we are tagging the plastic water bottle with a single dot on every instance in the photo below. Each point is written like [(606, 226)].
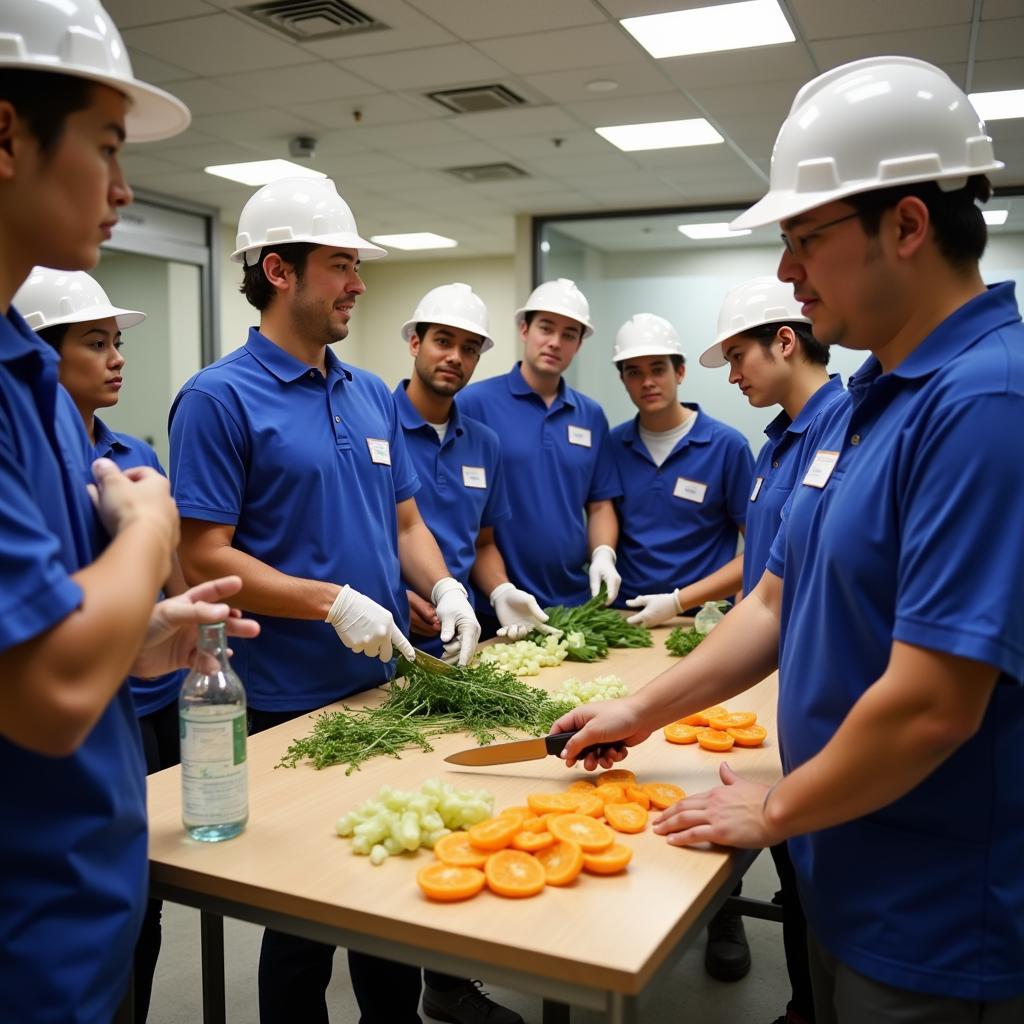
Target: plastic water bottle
[(211, 715), (710, 615)]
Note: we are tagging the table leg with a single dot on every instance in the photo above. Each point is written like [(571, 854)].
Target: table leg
[(555, 1013), (211, 937), (622, 1009)]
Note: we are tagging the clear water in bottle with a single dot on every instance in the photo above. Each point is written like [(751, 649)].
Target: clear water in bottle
[(211, 715)]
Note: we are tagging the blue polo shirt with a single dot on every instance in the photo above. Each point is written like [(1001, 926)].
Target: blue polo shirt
[(780, 465), (126, 451), (916, 537), (308, 470), (556, 459), (679, 521), (73, 859)]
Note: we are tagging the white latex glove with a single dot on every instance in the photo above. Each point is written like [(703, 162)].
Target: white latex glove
[(458, 621), (602, 570), (655, 608), (518, 612), (366, 627)]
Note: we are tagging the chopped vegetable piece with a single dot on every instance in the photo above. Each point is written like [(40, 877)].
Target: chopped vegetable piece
[(716, 740), (590, 629), (590, 833), (548, 803), (616, 775), (638, 795), (525, 657), (701, 717), (456, 849), (681, 732), (599, 688), (681, 641), (561, 862), (448, 882), (732, 720), (751, 736), (515, 874), (626, 817), (496, 833), (663, 794), (609, 861), (531, 842)]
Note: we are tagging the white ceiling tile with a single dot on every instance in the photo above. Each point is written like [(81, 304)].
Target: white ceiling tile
[(688, 156), (187, 183), (427, 68), (1001, 39), (941, 43), (316, 80), (769, 98), (487, 19), (591, 46), (992, 75), (400, 137), (374, 111), (581, 141), (129, 13), (254, 124), (569, 165), (186, 140), (205, 96), (663, 106), (518, 121), (408, 29), (361, 167), (149, 69), (404, 182), (136, 163), (636, 79), (639, 8), (829, 19), (1000, 9), (456, 155), (786, 61), (222, 152), (214, 45)]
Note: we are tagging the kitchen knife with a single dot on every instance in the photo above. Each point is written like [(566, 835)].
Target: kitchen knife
[(427, 661), (523, 750)]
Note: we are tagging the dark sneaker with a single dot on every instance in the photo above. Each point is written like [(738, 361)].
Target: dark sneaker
[(727, 955), (467, 1003)]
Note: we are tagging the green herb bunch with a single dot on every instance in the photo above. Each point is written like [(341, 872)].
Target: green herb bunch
[(591, 628), (681, 641)]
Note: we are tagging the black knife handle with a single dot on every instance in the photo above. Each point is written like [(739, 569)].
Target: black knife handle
[(555, 744)]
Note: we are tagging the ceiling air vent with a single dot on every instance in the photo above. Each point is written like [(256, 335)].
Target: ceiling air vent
[(306, 20), (477, 99), (478, 173)]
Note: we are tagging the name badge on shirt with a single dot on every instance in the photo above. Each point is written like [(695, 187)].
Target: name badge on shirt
[(474, 476), (690, 490), (580, 436), (757, 488), (820, 469), (380, 451)]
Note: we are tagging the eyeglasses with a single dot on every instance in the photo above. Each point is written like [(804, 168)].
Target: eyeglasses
[(797, 245)]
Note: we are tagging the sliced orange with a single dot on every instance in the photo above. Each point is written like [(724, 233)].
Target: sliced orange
[(535, 824), (616, 775), (515, 874), (531, 842), (590, 833), (626, 817), (663, 794), (584, 785), (612, 792), (520, 812), (716, 740), (638, 795), (680, 732), (608, 862), (561, 862), (702, 717), (448, 882), (456, 849), (751, 736), (495, 833), (590, 804), (733, 720), (548, 803)]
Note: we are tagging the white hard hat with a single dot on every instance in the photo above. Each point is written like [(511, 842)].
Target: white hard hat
[(50, 297), (762, 300), (645, 334), (562, 297), (872, 124), (455, 305), (79, 39), (298, 210)]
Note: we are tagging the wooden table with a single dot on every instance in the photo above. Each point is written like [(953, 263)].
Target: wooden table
[(597, 944)]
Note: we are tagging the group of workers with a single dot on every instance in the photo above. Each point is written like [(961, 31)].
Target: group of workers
[(879, 571)]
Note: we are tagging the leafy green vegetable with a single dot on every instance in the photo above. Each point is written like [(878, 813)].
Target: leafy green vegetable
[(590, 629), (681, 641), (422, 705)]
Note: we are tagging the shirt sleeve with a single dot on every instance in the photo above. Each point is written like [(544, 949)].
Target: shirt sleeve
[(961, 557), (605, 482), (777, 555), (403, 472), (496, 509), (209, 453), (739, 480)]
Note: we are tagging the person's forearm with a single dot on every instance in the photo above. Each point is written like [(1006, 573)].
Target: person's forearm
[(722, 583), (489, 569), (602, 525), (175, 583), (57, 685), (420, 558)]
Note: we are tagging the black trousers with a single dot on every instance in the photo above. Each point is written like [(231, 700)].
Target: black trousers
[(161, 747), (294, 973), (794, 935)]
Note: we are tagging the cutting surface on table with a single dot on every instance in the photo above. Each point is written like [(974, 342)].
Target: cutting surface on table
[(618, 929)]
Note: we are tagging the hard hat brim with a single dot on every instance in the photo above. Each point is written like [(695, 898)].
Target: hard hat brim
[(366, 250), (409, 329), (713, 357), (520, 315), (647, 350), (125, 317)]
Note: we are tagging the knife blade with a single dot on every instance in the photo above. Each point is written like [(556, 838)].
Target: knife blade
[(427, 661), (523, 750)]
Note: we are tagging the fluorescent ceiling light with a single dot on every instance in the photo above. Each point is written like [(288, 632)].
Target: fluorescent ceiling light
[(709, 29), (995, 217), (996, 106), (415, 240), (719, 229), (262, 172), (695, 131)]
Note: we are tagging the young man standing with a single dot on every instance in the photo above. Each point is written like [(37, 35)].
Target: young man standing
[(894, 584), (290, 470), (558, 466), (685, 475)]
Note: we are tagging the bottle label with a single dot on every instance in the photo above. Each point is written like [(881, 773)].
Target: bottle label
[(213, 771)]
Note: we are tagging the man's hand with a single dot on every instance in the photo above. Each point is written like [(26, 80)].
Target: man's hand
[(139, 494), (730, 815), (366, 627), (173, 634), (654, 609), (458, 621), (614, 724), (518, 612), (602, 570), (422, 615)]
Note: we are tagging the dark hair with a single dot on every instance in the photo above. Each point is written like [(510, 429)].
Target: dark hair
[(257, 290), (421, 330), (531, 313), (54, 334), (676, 362), (814, 351), (44, 100), (956, 219)]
